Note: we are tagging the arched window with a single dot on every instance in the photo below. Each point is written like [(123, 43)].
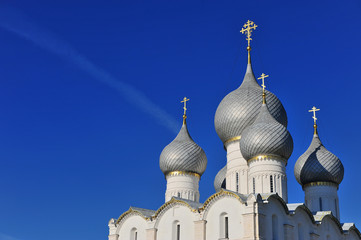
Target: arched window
[(179, 195), (271, 183), (176, 230), (237, 182), (300, 232), (133, 234), (320, 199), (223, 226), (274, 227)]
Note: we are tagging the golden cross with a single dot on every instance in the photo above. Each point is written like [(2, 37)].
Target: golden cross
[(247, 29), (185, 100), (263, 76), (314, 110)]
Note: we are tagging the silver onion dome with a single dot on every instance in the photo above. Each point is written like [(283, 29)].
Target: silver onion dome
[(266, 136), (183, 154), (220, 179), (239, 108), (318, 164)]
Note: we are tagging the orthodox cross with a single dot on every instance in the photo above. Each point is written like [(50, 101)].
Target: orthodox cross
[(185, 100), (263, 76), (247, 29), (314, 110)]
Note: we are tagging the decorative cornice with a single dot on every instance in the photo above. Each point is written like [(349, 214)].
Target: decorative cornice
[(312, 184), (129, 213), (171, 202), (180, 173)]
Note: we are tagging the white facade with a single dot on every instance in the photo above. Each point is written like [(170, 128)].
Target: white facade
[(254, 216), (182, 185)]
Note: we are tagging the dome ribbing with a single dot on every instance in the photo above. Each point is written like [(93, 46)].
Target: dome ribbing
[(240, 108), (266, 136), (183, 154)]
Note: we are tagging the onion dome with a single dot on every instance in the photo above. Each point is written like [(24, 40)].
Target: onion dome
[(266, 136), (318, 164), (220, 179), (239, 108), (183, 154)]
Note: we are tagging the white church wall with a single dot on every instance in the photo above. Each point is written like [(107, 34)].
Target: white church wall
[(183, 186), (236, 164), (130, 226), (168, 220), (215, 215)]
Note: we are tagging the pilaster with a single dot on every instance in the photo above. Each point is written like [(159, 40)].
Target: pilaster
[(151, 234), (200, 230)]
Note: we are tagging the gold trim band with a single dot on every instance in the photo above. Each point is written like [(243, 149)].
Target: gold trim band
[(232, 139), (320, 184), (178, 173), (262, 157)]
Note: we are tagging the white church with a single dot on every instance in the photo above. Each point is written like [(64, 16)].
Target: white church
[(251, 190)]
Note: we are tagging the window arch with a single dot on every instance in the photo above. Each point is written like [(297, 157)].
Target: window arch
[(271, 183), (176, 230), (224, 226), (134, 234), (274, 227), (320, 199), (300, 232)]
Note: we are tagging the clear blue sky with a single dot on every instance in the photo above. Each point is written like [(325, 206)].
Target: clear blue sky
[(76, 149)]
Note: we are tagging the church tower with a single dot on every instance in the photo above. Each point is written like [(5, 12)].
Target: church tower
[(320, 172), (183, 162), (267, 145), (234, 114)]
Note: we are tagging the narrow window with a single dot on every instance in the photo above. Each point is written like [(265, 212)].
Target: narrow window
[(254, 185), (136, 236), (237, 181), (320, 204), (336, 208), (226, 227), (179, 195), (271, 183), (274, 228), (178, 231), (300, 232)]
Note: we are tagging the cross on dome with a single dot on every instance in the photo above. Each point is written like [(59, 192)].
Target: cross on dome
[(314, 110), (247, 29), (263, 76), (185, 100)]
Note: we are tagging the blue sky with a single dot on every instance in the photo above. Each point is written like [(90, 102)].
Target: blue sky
[(78, 147)]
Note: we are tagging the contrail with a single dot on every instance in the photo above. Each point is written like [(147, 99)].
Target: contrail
[(15, 22)]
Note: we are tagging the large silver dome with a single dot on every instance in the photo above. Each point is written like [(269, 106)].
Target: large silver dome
[(318, 164), (220, 179), (266, 136), (239, 108), (183, 154)]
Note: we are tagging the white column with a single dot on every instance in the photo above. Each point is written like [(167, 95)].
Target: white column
[(183, 185), (322, 196), (236, 164), (262, 170)]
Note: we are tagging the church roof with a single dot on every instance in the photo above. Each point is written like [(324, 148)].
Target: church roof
[(318, 164), (220, 179), (240, 108), (183, 154), (266, 136)]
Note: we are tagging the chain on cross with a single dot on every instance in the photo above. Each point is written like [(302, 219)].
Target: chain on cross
[(247, 29), (185, 100), (314, 110)]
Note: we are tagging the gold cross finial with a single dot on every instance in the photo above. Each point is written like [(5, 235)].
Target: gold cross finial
[(247, 29), (185, 100), (263, 76), (314, 110)]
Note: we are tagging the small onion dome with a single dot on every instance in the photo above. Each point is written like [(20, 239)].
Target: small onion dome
[(183, 154), (318, 164), (239, 108), (266, 136), (220, 179)]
